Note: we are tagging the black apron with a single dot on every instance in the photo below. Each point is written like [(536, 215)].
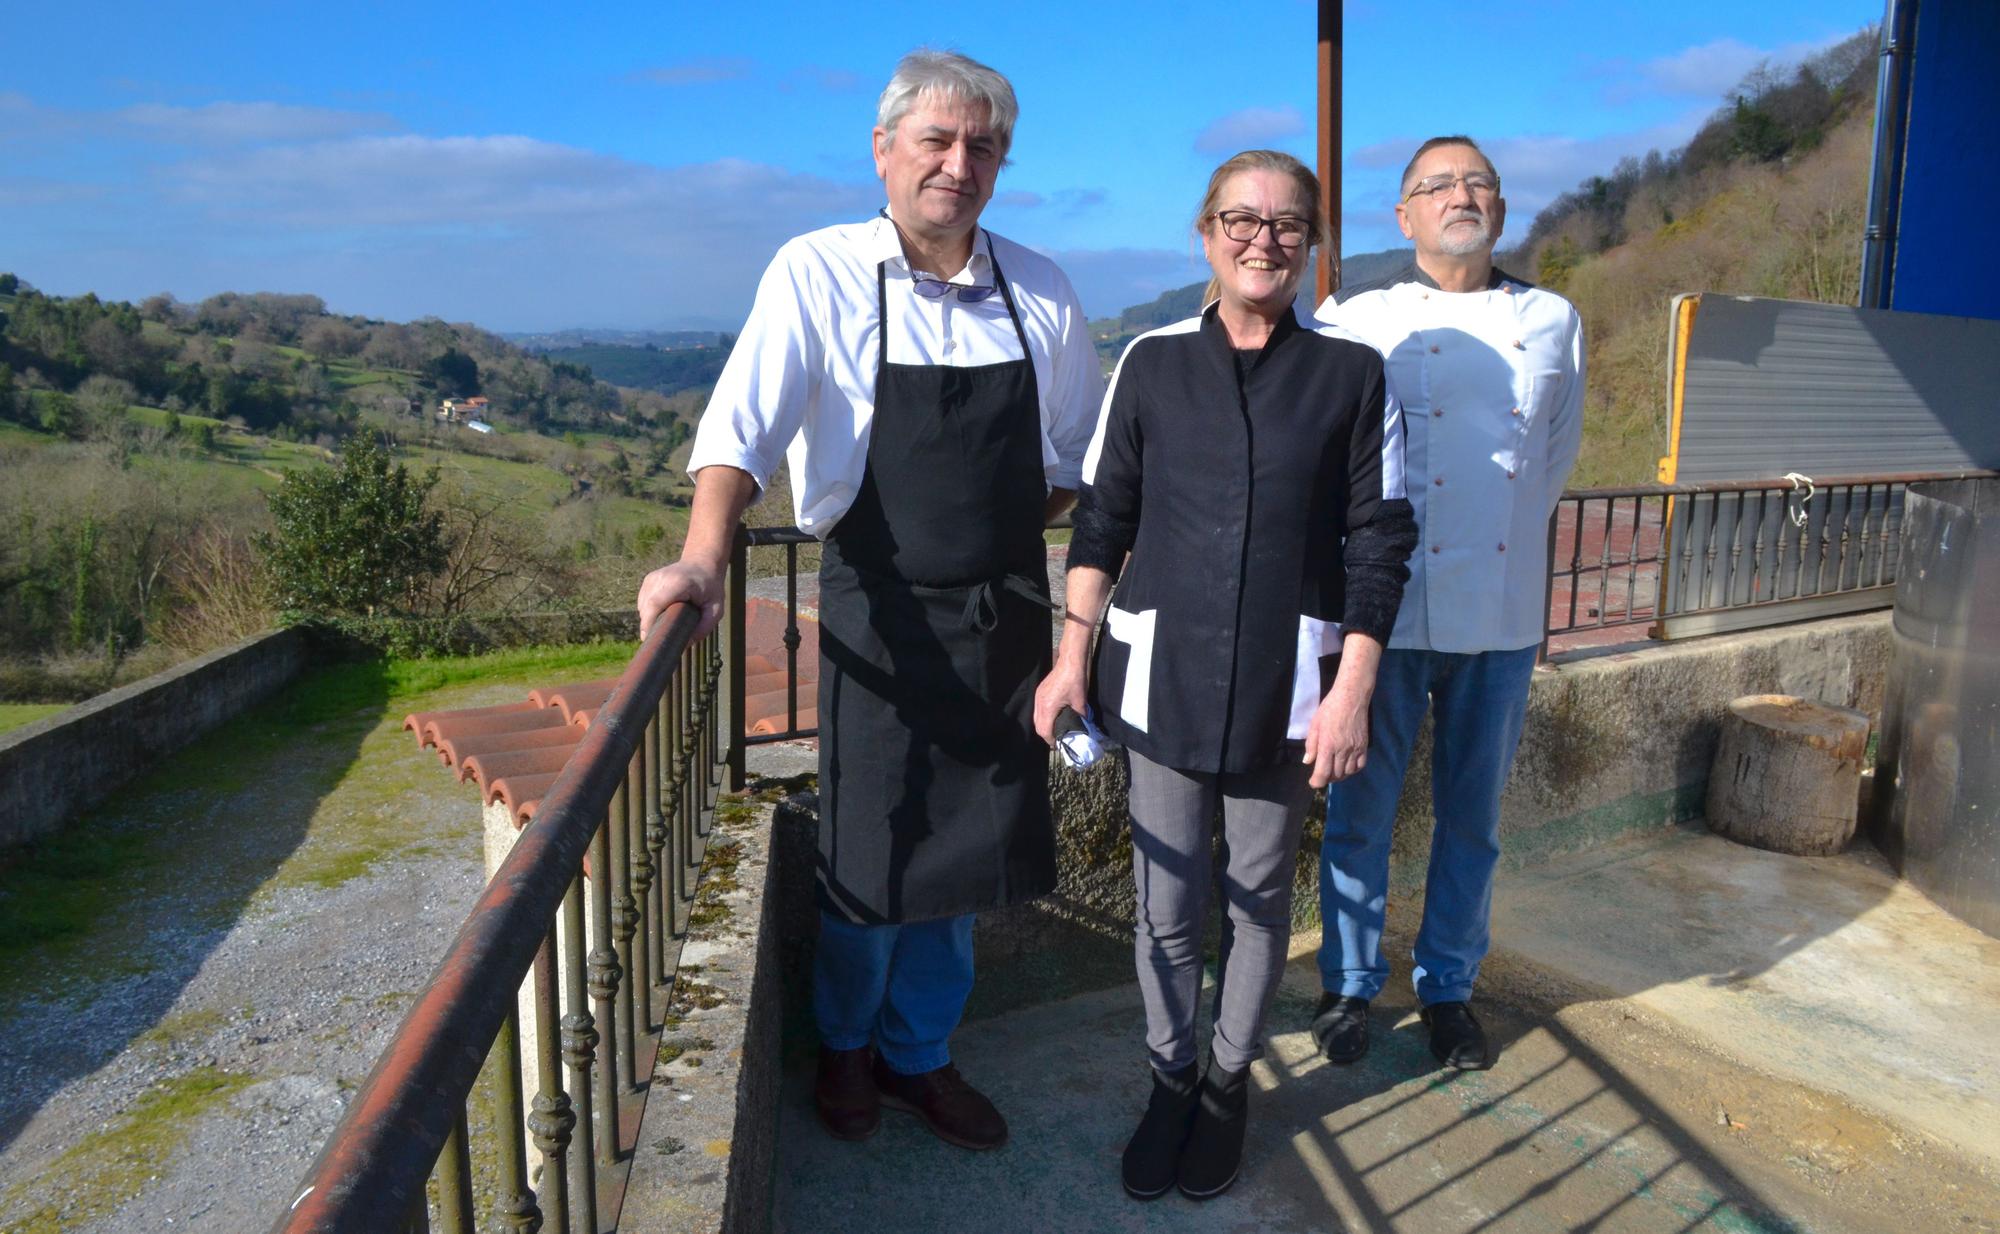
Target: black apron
[(934, 633)]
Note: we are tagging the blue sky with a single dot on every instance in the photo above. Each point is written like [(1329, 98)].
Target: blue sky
[(635, 165)]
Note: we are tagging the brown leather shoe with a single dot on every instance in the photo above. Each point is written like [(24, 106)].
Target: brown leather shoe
[(951, 1108), (844, 1093)]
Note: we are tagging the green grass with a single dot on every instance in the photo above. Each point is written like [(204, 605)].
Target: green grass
[(20, 715), (353, 376), (56, 887), (108, 1167)]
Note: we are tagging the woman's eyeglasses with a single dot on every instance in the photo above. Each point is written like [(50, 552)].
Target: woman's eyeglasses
[(1243, 226)]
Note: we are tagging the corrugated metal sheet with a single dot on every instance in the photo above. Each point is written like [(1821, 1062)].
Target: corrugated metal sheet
[(1779, 385)]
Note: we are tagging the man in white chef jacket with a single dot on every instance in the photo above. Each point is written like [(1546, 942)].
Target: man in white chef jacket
[(933, 387), (1489, 371)]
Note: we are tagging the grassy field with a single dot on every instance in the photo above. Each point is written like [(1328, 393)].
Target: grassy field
[(20, 715)]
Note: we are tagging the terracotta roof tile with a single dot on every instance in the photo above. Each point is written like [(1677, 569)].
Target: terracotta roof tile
[(520, 793), (515, 751), (489, 768), (447, 726), (586, 696), (471, 745)]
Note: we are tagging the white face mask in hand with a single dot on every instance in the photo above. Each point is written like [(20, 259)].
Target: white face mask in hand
[(1082, 743)]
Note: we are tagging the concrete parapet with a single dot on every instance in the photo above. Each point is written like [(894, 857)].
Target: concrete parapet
[(1614, 742), (706, 1148), (62, 765)]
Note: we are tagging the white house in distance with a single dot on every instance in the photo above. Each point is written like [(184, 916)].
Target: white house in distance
[(455, 410)]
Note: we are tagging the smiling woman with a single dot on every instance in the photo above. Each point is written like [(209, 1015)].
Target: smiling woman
[(1232, 691)]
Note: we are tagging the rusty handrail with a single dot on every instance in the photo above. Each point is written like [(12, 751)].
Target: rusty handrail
[(372, 1171), (1660, 566)]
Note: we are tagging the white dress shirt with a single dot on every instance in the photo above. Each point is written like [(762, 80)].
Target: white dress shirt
[(1491, 384), (801, 380)]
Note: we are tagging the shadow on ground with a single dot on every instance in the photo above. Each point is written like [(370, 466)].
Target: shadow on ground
[(103, 925)]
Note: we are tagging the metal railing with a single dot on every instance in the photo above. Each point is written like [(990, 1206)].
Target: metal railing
[(593, 899), (1689, 559), (735, 618)]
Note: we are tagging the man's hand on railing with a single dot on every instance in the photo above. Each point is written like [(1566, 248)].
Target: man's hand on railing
[(681, 583)]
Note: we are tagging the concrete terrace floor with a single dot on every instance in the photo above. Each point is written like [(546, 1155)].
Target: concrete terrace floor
[(1695, 1036)]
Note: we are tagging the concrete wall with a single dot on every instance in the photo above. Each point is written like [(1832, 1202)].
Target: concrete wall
[(1613, 743), (60, 766)]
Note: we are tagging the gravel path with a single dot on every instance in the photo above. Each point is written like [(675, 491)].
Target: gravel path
[(180, 1067)]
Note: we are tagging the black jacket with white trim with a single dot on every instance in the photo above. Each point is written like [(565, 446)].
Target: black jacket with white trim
[(1263, 518)]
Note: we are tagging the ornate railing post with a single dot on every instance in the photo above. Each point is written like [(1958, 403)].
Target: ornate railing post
[(579, 1043), (624, 924), (552, 1120), (735, 619), (604, 976), (514, 1208)]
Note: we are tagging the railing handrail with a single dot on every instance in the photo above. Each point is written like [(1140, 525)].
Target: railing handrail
[(375, 1165), (1746, 486)]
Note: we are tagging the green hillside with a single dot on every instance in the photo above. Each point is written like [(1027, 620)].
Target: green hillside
[(141, 444), (668, 371)]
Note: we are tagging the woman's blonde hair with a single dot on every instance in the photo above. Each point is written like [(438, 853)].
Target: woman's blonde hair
[(1262, 160)]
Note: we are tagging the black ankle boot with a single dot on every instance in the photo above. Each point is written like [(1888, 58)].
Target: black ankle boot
[(1214, 1151), (1155, 1146)]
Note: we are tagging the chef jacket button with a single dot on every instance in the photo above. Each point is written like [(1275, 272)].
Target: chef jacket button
[(1434, 348), (1502, 548), (1516, 411), (1434, 548), (1510, 475), (1438, 481), (1508, 288), (1438, 411), (1424, 295), (1518, 346)]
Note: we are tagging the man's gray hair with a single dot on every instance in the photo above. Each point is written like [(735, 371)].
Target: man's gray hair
[(949, 75)]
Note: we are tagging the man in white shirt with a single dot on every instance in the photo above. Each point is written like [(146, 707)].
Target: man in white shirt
[(1489, 371), (934, 387)]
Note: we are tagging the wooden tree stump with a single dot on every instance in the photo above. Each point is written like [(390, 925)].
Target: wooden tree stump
[(1787, 774)]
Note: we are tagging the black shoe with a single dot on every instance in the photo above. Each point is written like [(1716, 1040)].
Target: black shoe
[(844, 1093), (1340, 1026), (1457, 1041), (1163, 1130), (1214, 1151), (956, 1112)]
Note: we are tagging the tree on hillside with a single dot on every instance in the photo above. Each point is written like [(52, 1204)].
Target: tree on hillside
[(456, 374), (356, 537)]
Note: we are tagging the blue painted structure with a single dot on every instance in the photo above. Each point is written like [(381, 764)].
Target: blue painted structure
[(1930, 246)]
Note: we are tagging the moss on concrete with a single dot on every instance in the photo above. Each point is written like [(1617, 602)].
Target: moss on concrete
[(108, 1167), (184, 1028), (716, 881)]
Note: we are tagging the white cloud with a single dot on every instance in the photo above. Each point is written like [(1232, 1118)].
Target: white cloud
[(1534, 168), (406, 181), (1068, 203), (833, 81), (699, 72), (1109, 281), (1250, 128), (1705, 71), (243, 123)]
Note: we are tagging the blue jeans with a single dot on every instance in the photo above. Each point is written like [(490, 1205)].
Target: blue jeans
[(901, 987), (1477, 702)]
